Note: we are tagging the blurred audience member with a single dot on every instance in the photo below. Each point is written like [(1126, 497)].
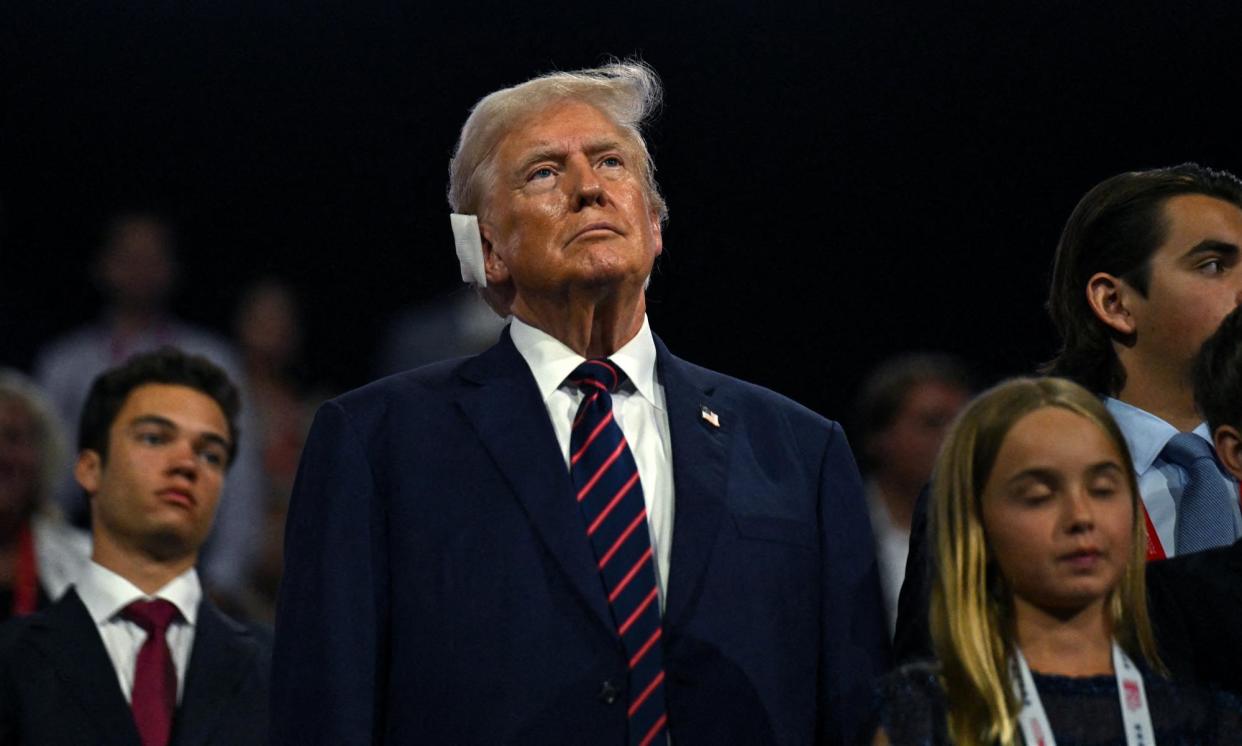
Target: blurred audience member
[(905, 409), (268, 329), (40, 554), (135, 652), (451, 326), (136, 271), (1196, 599)]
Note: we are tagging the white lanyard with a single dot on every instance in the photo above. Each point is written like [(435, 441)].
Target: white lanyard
[(1135, 715)]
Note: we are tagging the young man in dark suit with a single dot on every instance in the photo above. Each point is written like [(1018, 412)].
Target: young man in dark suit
[(1196, 599), (135, 653)]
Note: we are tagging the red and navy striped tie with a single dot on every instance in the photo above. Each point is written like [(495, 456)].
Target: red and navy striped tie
[(610, 498)]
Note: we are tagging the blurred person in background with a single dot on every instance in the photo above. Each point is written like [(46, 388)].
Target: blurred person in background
[(1196, 599), (136, 271), (268, 330), (40, 553), (450, 326), (904, 410)]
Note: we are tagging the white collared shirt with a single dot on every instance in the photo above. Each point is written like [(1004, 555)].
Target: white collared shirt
[(1160, 482), (638, 407), (106, 594), (892, 547)]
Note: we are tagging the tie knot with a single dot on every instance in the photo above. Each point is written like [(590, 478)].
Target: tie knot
[(153, 616), (1184, 449), (598, 373)]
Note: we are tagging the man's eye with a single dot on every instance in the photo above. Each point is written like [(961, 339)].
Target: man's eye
[(611, 161), (215, 458), (151, 438), (1212, 267), (544, 172)]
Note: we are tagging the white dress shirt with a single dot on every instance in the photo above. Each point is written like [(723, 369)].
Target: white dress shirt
[(892, 546), (1160, 482), (638, 407), (106, 594)]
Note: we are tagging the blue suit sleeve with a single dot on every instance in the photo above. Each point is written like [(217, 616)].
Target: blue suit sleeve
[(327, 670), (854, 646)]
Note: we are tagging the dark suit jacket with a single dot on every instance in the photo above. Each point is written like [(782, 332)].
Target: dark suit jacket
[(912, 638), (1196, 608), (440, 588), (57, 684)]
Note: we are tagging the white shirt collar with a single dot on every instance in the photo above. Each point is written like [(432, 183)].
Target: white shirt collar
[(105, 594), (551, 362), (1146, 434)]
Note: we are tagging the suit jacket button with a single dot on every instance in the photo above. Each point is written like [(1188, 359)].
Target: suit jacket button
[(609, 693)]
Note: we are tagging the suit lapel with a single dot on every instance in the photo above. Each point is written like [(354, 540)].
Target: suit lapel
[(223, 654), (700, 464), (504, 407), (66, 635)]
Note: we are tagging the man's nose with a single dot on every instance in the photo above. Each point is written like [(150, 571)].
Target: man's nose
[(588, 189), (183, 459)]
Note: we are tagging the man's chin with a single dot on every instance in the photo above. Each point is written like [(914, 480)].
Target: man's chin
[(170, 544)]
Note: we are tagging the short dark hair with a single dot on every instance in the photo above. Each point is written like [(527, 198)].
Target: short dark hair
[(168, 365), (1218, 374), (1116, 228), (885, 389)]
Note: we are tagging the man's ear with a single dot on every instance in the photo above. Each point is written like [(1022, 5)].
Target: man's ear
[(493, 264), (88, 469), (657, 232), (1109, 298), (1229, 449)]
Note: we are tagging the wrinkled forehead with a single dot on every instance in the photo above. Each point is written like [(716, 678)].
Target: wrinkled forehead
[(569, 125)]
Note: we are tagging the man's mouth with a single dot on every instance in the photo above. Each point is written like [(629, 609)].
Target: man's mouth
[(593, 228), (177, 496)]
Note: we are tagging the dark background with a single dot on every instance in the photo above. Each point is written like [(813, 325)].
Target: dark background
[(846, 180)]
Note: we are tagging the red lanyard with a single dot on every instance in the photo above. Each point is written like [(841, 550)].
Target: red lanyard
[(26, 580)]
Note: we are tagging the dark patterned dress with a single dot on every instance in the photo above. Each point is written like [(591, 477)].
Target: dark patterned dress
[(910, 706)]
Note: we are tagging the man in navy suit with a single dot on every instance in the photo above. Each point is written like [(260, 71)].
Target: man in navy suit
[(466, 563), (134, 653)]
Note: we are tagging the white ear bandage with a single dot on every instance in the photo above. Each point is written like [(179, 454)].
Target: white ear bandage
[(469, 248)]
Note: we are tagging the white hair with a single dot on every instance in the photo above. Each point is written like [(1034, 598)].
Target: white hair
[(18, 388), (626, 92)]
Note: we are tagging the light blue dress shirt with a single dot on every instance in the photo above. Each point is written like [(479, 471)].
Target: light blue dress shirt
[(1160, 482)]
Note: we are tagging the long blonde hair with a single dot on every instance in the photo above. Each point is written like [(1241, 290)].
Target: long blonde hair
[(971, 608)]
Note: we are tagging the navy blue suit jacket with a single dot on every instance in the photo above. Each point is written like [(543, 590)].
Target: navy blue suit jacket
[(58, 687), (440, 588)]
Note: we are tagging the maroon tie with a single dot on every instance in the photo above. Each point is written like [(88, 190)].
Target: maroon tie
[(155, 676)]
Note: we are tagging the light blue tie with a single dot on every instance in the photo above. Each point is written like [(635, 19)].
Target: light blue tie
[(1205, 512)]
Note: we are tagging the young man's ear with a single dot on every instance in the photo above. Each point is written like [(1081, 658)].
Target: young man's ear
[(87, 470), (1109, 298), (1229, 449)]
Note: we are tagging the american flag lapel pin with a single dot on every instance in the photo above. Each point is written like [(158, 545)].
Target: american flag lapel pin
[(711, 417)]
